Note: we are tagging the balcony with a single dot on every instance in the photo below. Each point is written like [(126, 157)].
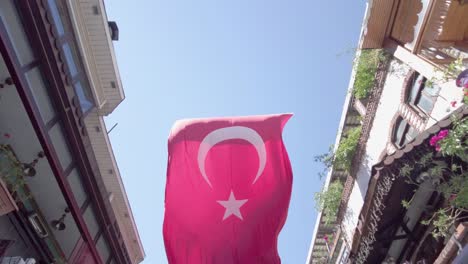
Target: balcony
[(445, 38), (94, 36)]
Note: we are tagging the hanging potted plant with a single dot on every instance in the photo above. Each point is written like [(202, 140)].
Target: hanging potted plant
[(12, 181), (7, 201)]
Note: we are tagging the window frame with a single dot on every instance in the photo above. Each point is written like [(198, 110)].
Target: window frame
[(79, 77), (406, 135), (413, 98)]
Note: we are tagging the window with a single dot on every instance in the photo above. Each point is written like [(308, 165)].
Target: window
[(54, 10), (39, 88), (15, 30), (403, 133), (60, 143), (419, 95), (84, 96), (89, 217), (70, 59), (103, 249), (71, 55), (77, 187)]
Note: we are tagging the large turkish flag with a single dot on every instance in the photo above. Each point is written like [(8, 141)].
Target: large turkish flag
[(228, 189)]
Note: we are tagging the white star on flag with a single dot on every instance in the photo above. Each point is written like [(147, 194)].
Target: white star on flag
[(232, 206)]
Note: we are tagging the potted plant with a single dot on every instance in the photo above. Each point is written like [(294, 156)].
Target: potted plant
[(12, 180)]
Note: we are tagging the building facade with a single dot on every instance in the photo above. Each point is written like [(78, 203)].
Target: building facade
[(424, 45), (62, 199)]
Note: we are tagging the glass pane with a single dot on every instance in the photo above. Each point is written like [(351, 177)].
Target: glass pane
[(432, 91), (15, 30), (91, 221), (411, 134), (67, 238), (74, 179), (425, 103), (415, 85), (84, 96), (70, 59), (103, 249), (56, 16), (399, 132), (41, 96), (61, 145)]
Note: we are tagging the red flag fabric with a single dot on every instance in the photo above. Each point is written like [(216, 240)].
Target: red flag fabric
[(227, 192)]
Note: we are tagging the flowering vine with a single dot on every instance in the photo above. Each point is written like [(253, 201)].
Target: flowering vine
[(435, 139)]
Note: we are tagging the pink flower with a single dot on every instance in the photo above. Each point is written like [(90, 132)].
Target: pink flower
[(434, 140), (453, 103), (443, 133)]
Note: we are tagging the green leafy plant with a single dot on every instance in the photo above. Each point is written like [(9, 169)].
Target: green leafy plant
[(446, 169), (327, 160), (453, 69), (344, 155), (12, 174), (406, 204), (442, 220), (328, 201), (456, 141), (346, 150), (406, 170), (366, 68), (450, 72), (456, 190)]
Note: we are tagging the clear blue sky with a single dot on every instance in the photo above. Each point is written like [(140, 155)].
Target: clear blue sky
[(183, 59)]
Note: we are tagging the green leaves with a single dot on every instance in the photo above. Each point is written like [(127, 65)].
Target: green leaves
[(442, 221), (448, 173), (344, 155), (456, 143), (366, 69), (328, 201), (406, 170), (345, 152), (405, 204), (11, 173)]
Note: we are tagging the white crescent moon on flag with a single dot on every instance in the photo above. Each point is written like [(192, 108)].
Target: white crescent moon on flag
[(234, 132)]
